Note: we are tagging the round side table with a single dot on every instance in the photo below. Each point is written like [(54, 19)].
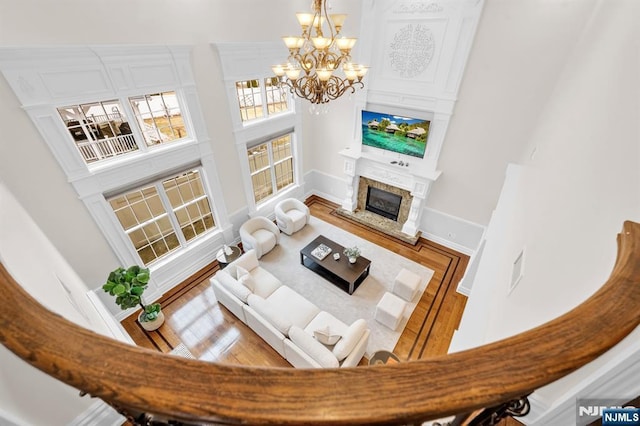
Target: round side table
[(224, 259), (383, 357)]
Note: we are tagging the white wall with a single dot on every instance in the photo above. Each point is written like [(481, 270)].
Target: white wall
[(35, 263), (566, 203), (518, 51), (43, 190)]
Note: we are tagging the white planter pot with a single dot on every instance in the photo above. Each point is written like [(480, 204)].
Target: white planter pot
[(152, 325), (353, 259)]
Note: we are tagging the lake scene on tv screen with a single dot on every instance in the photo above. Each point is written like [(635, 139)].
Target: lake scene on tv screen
[(395, 133)]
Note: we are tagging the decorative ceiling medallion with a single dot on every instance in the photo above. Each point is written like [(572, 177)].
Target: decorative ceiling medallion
[(412, 49), (412, 7)]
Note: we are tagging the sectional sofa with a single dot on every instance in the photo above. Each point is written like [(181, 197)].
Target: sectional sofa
[(302, 333)]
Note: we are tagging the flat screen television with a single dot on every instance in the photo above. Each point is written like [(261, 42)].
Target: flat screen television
[(395, 133)]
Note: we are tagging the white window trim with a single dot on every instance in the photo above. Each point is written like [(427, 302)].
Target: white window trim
[(169, 212), (45, 78), (243, 61), (272, 169), (265, 104)]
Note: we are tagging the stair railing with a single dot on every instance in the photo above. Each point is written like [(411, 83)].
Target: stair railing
[(149, 387)]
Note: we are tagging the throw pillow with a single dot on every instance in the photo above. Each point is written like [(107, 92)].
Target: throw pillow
[(324, 336), (312, 347), (248, 281), (351, 337), (233, 286)]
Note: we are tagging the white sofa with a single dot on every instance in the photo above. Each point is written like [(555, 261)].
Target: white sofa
[(287, 321)]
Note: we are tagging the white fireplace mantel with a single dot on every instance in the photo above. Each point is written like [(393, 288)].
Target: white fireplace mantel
[(412, 178)]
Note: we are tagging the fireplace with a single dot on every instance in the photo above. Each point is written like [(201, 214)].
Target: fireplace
[(383, 202), (385, 196)]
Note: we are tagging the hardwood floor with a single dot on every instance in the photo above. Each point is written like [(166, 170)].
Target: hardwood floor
[(212, 333)]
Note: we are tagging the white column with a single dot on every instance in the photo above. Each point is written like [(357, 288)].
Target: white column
[(419, 193), (410, 227), (350, 201)]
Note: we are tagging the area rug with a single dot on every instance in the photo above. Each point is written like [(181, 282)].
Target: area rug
[(284, 262)]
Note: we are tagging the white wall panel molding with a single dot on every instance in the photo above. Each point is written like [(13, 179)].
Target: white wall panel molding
[(263, 128), (80, 73), (241, 61), (419, 59), (47, 78), (434, 225), (451, 231), (56, 137), (327, 186), (250, 61)]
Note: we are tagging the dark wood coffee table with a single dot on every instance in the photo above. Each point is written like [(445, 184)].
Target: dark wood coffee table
[(347, 276)]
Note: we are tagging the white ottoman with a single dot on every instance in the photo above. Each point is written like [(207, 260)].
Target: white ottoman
[(406, 284), (389, 310)]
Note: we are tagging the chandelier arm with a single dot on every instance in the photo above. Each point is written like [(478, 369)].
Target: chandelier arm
[(320, 59), (332, 29)]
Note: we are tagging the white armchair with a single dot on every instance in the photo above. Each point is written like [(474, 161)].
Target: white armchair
[(259, 233), (291, 215)]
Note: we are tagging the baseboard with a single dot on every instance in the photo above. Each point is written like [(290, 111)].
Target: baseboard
[(448, 244), (99, 414), (451, 231)]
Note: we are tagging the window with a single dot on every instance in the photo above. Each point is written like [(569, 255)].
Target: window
[(100, 129), (165, 215), (159, 117), (249, 99), (276, 96), (271, 167), (251, 95)]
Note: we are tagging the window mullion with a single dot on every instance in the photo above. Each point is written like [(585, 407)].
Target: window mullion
[(272, 168), (145, 223), (171, 214), (265, 101), (138, 138)]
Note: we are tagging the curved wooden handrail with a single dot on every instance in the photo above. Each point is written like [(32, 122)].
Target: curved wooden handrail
[(141, 380)]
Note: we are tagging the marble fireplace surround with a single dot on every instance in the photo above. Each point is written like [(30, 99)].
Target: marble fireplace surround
[(412, 184), (405, 204)]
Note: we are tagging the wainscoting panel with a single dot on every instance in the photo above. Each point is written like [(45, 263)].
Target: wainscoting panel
[(450, 231)]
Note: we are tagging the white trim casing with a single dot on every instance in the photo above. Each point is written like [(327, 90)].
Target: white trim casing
[(46, 78), (250, 61)]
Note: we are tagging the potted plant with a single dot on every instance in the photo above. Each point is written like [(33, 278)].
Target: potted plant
[(352, 253), (127, 285)]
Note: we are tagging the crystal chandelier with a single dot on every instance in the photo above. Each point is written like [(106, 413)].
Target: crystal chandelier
[(317, 56)]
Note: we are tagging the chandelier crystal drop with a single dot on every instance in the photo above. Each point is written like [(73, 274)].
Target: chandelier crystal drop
[(318, 57)]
